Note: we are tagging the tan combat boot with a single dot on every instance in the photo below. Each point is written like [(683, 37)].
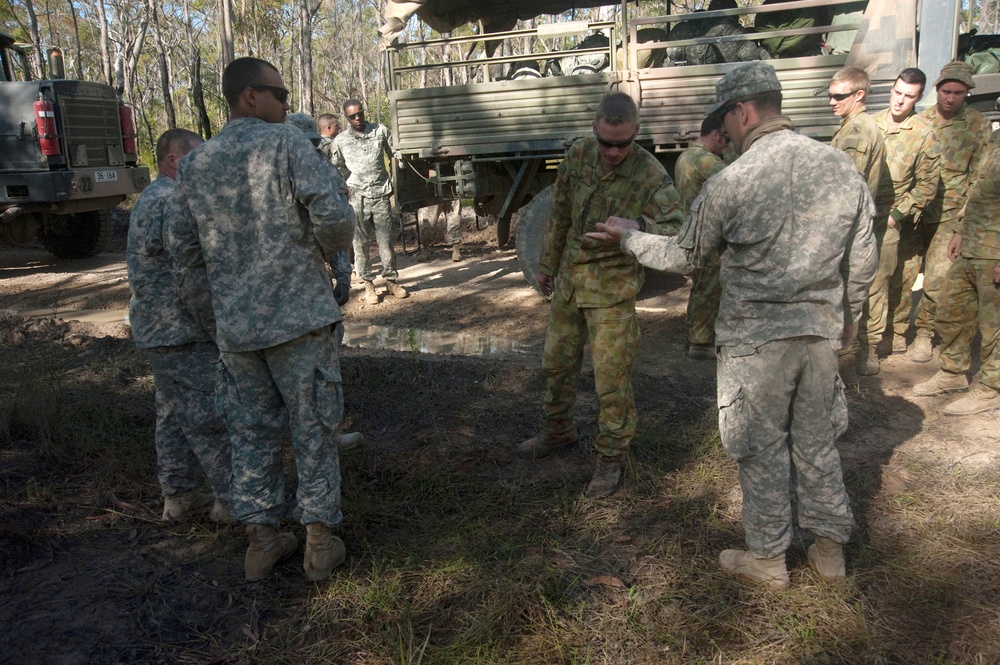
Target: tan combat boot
[(220, 514), (898, 344), (922, 350), (980, 398), (848, 369), (371, 295), (456, 252), (771, 572), (424, 255), (348, 441), (607, 476), (268, 546), (826, 557), (395, 290), (180, 505), (556, 435), (868, 364), (324, 552), (942, 382)]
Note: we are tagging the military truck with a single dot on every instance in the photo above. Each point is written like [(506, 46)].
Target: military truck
[(498, 138), (68, 155)]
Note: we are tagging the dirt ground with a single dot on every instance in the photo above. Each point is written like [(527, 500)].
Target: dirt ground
[(72, 588)]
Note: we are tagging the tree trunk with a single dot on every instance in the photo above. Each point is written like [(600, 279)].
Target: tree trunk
[(106, 69), (198, 96), (161, 52), (38, 62), (76, 35), (226, 33)]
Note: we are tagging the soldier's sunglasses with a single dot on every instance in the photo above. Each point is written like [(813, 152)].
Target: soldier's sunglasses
[(613, 144), (359, 114), (280, 94), (842, 96)]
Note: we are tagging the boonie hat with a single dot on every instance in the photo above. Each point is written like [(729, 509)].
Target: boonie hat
[(956, 70), (305, 122), (746, 80)]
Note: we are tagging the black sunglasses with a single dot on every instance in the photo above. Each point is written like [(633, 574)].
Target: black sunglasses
[(359, 114), (613, 144), (842, 96), (281, 94)]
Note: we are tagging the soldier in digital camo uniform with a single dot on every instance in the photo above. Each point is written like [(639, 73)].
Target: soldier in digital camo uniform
[(180, 351), (340, 262), (971, 293), (794, 219), (593, 287), (912, 156), (962, 135), (259, 211), (700, 161), (359, 153), (859, 137)]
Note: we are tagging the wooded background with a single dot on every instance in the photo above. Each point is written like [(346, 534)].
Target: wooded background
[(168, 56)]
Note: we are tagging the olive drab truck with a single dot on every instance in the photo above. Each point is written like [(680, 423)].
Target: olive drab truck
[(68, 155), (517, 99)]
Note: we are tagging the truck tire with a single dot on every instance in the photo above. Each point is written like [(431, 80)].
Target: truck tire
[(533, 218), (78, 236)]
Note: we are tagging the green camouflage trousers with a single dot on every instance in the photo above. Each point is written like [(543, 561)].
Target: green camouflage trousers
[(969, 300), (703, 304), (874, 318), (913, 243), (614, 339), (293, 385), (936, 264), (782, 405), (189, 430), (374, 220)]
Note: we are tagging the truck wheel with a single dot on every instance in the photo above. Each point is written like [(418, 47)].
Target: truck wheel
[(533, 219), (78, 236)]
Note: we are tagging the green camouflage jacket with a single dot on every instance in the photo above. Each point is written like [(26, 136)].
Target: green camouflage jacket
[(695, 165), (861, 139), (913, 159), (601, 275), (980, 227), (961, 141)]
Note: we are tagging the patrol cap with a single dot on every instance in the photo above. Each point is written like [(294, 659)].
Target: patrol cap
[(956, 70), (750, 79), (305, 122)]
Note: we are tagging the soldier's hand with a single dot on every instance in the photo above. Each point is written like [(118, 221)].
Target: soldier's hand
[(611, 231), (546, 284), (954, 247), (996, 274)]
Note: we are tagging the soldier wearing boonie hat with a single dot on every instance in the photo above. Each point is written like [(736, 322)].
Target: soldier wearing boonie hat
[(745, 81)]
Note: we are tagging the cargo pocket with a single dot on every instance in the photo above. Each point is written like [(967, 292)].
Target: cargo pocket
[(329, 396), (838, 409), (734, 423), (224, 387)]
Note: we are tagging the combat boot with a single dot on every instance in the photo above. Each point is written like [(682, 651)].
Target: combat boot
[(371, 295), (922, 350), (348, 441), (898, 344), (848, 369), (942, 382), (268, 546), (826, 557), (607, 476), (424, 255), (456, 252), (868, 364), (324, 552), (220, 514), (980, 398), (556, 435), (395, 290), (180, 505), (771, 572)]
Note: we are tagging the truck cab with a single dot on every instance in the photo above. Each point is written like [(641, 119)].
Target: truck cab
[(68, 155)]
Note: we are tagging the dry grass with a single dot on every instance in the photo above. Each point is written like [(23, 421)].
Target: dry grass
[(461, 553)]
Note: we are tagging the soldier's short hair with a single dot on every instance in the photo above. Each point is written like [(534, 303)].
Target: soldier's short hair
[(175, 140), (913, 76), (617, 108), (856, 77), (327, 120), (242, 73), (711, 123), (353, 102)]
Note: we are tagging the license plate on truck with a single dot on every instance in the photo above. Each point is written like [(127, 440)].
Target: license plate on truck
[(106, 176)]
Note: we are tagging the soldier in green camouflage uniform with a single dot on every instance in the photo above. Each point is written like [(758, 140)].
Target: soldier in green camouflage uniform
[(181, 353), (962, 134), (593, 286), (859, 137), (260, 207), (913, 160), (359, 154), (794, 221), (697, 164), (971, 294)]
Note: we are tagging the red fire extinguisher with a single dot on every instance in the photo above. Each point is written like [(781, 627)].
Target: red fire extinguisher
[(127, 121), (45, 126)]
